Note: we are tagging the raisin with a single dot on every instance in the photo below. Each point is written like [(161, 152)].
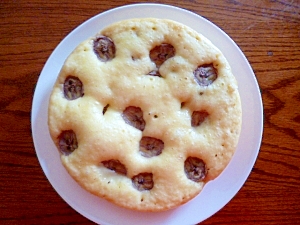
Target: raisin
[(73, 88), (198, 117), (116, 166), (154, 73), (205, 74), (143, 181), (159, 55), (67, 142), (150, 146), (195, 169), (104, 48), (134, 117), (105, 109)]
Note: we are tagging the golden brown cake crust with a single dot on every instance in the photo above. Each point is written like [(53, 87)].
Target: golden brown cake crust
[(188, 117)]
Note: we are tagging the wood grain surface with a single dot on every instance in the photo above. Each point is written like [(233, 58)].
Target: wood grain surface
[(268, 32)]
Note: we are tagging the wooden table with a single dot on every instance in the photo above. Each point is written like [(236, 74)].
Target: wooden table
[(268, 32)]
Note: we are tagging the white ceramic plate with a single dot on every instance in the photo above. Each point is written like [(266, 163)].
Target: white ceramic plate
[(217, 193)]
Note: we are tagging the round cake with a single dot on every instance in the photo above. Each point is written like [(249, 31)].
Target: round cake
[(145, 113)]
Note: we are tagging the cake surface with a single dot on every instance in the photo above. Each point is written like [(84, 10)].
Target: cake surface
[(145, 113)]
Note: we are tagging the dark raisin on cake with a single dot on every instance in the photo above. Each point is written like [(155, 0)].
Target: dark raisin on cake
[(73, 88), (159, 54), (134, 116), (150, 146), (143, 181), (195, 169), (67, 142), (104, 48), (116, 166), (198, 117), (205, 74)]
